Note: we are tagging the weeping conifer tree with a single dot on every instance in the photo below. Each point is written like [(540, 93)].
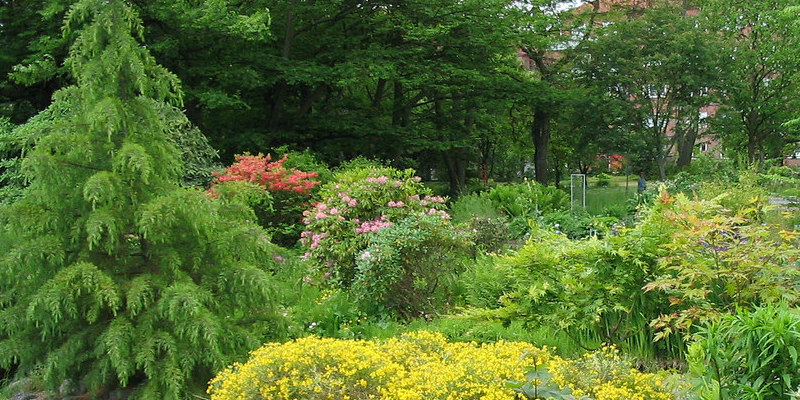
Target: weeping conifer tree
[(110, 273)]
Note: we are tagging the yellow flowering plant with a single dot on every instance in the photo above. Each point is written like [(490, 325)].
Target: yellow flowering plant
[(425, 365), (418, 365)]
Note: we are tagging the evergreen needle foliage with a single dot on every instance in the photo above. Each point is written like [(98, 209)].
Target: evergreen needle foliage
[(110, 272)]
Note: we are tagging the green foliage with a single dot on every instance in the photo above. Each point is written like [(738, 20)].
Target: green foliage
[(12, 182), (720, 260), (111, 274), (748, 355), (591, 289), (490, 229), (306, 161), (578, 224), (603, 180), (406, 266), (473, 205), (525, 201), (760, 78)]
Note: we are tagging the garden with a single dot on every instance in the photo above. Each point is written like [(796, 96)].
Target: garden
[(134, 266)]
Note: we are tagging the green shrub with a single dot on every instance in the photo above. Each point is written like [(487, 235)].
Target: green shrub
[(525, 201), (720, 260), (603, 180), (748, 355), (474, 205), (486, 282), (589, 288), (406, 265)]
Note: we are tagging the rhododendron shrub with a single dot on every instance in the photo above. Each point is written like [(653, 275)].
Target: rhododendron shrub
[(272, 175), (288, 189), (352, 213)]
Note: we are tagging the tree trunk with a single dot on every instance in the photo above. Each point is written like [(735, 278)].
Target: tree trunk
[(686, 146), (398, 105), (662, 167), (540, 132), (380, 88), (456, 163), (282, 89), (752, 149)]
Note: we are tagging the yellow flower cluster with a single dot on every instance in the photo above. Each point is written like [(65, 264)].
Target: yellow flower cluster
[(604, 375), (419, 365)]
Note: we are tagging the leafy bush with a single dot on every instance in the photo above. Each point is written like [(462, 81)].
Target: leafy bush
[(305, 161), (405, 265), (489, 227), (603, 180), (590, 288), (748, 355), (525, 201), (720, 260), (419, 365), (470, 206)]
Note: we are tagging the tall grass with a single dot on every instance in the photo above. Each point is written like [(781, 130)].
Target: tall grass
[(610, 199)]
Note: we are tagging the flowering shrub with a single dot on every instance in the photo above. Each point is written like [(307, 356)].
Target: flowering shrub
[(260, 169), (288, 190), (354, 209), (419, 365)]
